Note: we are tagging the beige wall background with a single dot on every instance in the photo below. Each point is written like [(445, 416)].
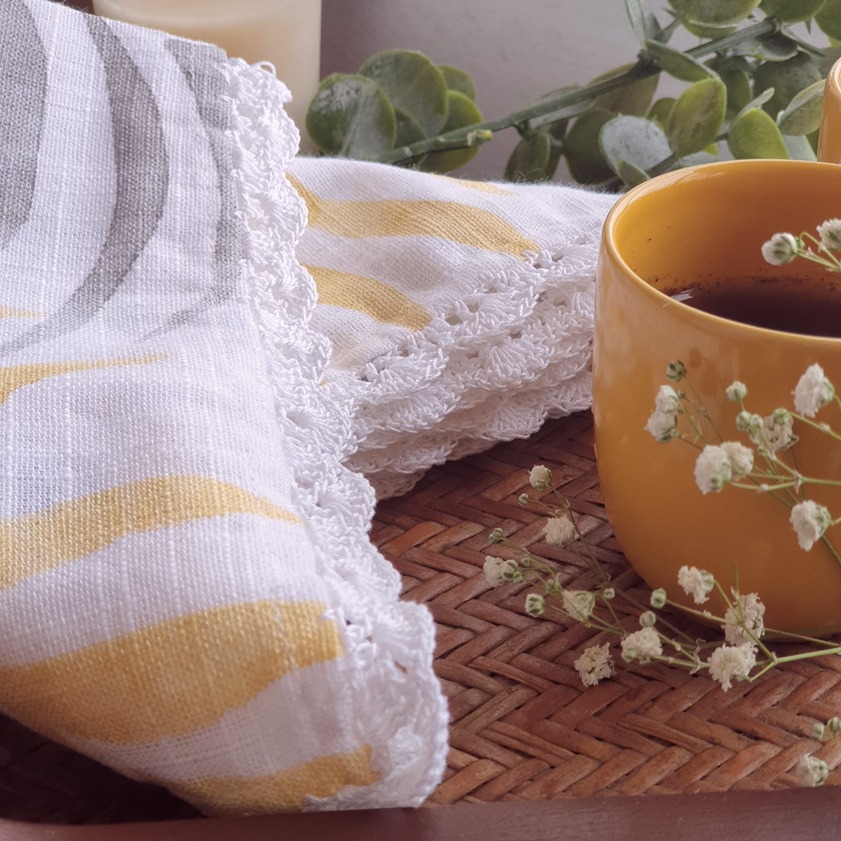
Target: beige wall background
[(516, 50)]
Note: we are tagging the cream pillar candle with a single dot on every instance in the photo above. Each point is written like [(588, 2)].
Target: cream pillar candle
[(286, 33)]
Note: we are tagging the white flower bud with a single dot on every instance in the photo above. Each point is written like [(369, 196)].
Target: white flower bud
[(535, 604), (830, 234), (780, 249), (658, 598), (818, 731), (809, 521), (647, 619), (736, 391), (834, 725), (540, 477), (675, 371), (524, 499)]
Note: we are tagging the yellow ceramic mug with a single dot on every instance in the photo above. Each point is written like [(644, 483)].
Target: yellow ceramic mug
[(672, 232), (829, 138)]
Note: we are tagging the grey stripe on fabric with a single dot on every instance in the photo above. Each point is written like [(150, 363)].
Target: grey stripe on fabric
[(200, 65), (142, 179), (23, 78)]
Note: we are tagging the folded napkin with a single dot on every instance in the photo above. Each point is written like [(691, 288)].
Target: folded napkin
[(460, 313), (187, 590)]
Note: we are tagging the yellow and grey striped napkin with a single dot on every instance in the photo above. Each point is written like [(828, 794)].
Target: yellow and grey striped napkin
[(187, 590), (460, 313)]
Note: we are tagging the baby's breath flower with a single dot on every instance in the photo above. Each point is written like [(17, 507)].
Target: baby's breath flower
[(523, 499), (675, 371), (662, 426), (732, 662), (695, 582), (818, 731), (736, 391), (535, 604), (498, 570), (608, 593), (658, 598), (579, 604), (748, 422), (740, 458), (830, 234), (559, 531), (540, 477), (745, 616), (775, 432), (810, 521), (780, 249), (712, 469), (641, 645), (667, 400), (594, 664), (496, 536), (647, 619), (813, 391), (834, 725), (811, 771)]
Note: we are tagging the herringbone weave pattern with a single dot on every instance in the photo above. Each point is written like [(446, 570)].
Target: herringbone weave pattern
[(523, 727)]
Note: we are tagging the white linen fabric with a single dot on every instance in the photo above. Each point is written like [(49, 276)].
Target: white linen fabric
[(187, 589), (460, 313)]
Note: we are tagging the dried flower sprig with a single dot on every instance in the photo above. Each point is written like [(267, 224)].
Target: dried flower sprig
[(743, 654), (766, 466), (783, 248)]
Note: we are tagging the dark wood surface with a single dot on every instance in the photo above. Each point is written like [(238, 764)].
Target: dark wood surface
[(792, 815)]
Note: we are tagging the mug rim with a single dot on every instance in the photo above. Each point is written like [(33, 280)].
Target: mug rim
[(833, 78), (608, 241)]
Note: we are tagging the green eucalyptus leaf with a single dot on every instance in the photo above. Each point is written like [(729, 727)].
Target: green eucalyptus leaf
[(462, 112), (735, 73), (631, 99), (828, 18), (753, 134), (584, 159), (828, 57), (791, 11), (799, 147), (757, 101), (413, 84), (458, 80), (787, 78), (704, 30), (351, 116), (696, 118), (530, 159), (714, 12), (635, 141), (777, 47), (677, 63), (409, 131), (660, 110), (643, 23), (630, 174), (803, 114)]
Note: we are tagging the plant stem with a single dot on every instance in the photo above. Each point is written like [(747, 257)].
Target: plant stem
[(554, 106)]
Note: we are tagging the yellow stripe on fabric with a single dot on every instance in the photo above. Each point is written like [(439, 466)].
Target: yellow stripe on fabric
[(170, 678), (480, 186), (31, 544), (284, 791), (368, 295), (12, 312), (461, 223), (19, 376)]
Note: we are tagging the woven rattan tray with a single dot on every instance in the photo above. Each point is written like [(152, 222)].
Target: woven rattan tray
[(523, 727)]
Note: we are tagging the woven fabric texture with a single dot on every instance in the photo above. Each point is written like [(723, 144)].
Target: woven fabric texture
[(460, 313), (187, 590)]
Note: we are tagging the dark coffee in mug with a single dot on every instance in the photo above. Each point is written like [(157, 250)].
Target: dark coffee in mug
[(793, 305)]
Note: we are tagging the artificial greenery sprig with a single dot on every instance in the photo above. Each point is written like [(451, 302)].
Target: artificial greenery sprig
[(752, 83)]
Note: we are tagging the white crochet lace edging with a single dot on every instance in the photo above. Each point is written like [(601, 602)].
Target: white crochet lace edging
[(393, 696), (525, 329)]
